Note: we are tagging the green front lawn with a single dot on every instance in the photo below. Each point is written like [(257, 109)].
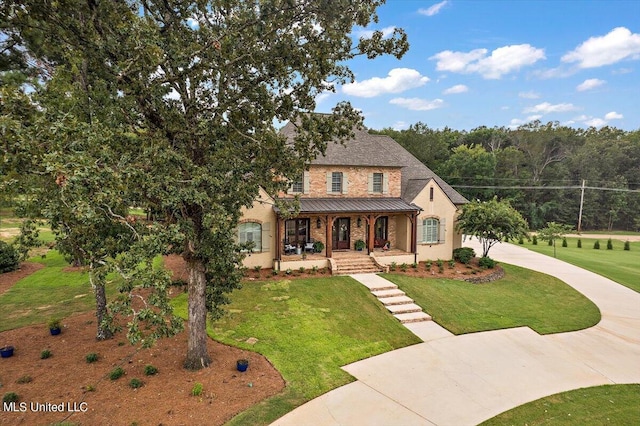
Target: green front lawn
[(621, 266), (600, 405), (522, 298), (308, 329)]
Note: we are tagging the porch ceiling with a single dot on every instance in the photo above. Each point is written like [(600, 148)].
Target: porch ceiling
[(355, 205)]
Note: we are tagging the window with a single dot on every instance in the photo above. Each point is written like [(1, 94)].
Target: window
[(377, 182), (251, 232), (297, 187), (336, 182), (430, 228), (431, 194), (296, 231)]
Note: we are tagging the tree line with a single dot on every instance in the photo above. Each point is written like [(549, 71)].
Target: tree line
[(540, 168)]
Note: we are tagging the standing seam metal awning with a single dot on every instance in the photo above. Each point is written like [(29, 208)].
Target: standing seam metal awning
[(355, 205)]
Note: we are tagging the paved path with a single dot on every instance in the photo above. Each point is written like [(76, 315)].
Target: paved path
[(464, 380)]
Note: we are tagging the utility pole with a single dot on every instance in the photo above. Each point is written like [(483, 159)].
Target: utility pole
[(581, 203)]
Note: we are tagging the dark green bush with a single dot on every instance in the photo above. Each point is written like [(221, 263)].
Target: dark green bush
[(150, 370), (464, 254), (564, 242), (92, 357), (535, 240), (550, 242), (10, 397), (609, 244), (486, 262), (627, 246), (404, 267), (9, 258), (579, 243), (520, 240), (45, 354), (135, 383), (596, 245), (116, 373)]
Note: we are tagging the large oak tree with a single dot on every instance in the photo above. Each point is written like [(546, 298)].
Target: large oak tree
[(193, 89)]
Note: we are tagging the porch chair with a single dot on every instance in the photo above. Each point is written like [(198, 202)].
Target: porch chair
[(308, 246), (288, 248)]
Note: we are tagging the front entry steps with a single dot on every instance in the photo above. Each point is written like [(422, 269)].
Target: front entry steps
[(395, 300), (355, 265)]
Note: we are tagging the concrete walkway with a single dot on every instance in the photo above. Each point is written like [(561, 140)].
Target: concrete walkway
[(464, 380)]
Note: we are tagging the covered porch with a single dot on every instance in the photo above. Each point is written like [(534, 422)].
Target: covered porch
[(327, 228)]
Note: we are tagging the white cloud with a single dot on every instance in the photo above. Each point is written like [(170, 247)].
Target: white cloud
[(617, 45), (386, 32), (400, 125), (546, 108), (595, 122), (398, 80), (589, 84), (529, 95), (502, 60), (417, 104), (433, 10), (534, 117), (613, 116), (622, 71), (458, 88)]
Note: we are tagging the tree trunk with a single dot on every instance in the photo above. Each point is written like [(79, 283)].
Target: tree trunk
[(197, 354), (101, 307)]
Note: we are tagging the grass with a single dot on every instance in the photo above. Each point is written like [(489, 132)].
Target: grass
[(308, 329), (600, 405), (522, 298), (618, 265), (49, 292)]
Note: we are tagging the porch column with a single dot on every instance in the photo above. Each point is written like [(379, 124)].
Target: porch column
[(414, 236), (279, 240), (372, 229), (329, 235)]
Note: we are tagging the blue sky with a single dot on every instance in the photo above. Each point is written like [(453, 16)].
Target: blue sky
[(502, 63)]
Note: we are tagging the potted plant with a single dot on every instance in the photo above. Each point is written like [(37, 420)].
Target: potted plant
[(54, 326), (6, 351), (359, 245), (318, 246), (242, 365)]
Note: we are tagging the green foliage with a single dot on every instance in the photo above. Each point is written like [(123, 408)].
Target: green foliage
[(45, 354), (535, 240), (552, 232), (318, 246), (428, 264), (596, 245), (27, 239), (301, 269), (520, 240), (464, 254), (393, 266), (627, 246), (452, 263), (90, 388), (91, 357), (579, 243), (150, 370), (564, 242), (135, 383), (116, 373), (404, 267), (9, 258), (53, 323), (414, 265), (491, 222), (257, 268), (486, 262), (550, 242), (10, 397), (196, 390), (24, 379), (609, 244), (359, 245)]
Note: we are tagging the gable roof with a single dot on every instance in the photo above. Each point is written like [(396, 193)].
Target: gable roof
[(367, 150)]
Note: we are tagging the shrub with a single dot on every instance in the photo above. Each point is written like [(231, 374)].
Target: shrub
[(301, 269), (9, 258), (414, 265), (45, 354), (535, 240), (135, 383), (318, 246), (579, 243), (314, 269), (10, 397), (609, 244), (150, 370), (288, 271), (464, 254), (90, 388), (116, 373), (393, 266), (520, 240), (596, 245), (24, 379), (197, 389), (427, 265), (440, 264), (92, 357), (404, 267), (486, 262), (274, 272), (627, 246), (257, 268), (452, 264), (550, 242), (564, 242)]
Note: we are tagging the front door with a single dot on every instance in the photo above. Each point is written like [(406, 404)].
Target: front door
[(341, 231)]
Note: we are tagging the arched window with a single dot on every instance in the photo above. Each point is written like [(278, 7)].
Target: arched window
[(430, 229), (251, 231)]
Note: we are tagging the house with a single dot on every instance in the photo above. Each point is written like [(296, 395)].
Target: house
[(368, 190)]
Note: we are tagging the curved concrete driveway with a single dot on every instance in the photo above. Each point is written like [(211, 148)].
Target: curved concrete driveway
[(464, 380)]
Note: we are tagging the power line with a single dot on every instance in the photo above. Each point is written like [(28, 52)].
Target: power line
[(600, 188)]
